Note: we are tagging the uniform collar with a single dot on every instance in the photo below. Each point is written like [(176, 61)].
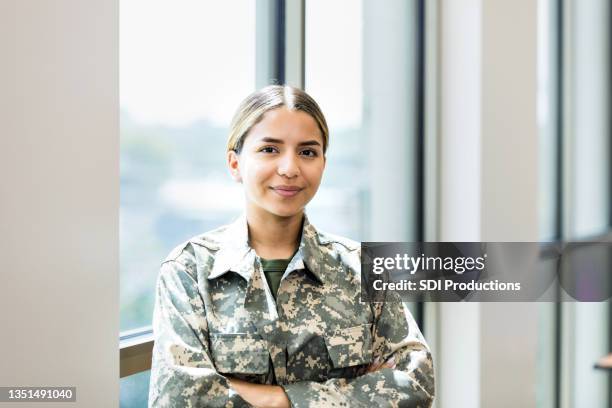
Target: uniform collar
[(236, 255)]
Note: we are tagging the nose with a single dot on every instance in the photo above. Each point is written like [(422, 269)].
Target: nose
[(288, 165)]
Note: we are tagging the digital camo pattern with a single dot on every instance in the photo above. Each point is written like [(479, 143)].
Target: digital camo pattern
[(215, 316)]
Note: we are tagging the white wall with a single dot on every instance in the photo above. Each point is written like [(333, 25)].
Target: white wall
[(510, 146), (59, 146), (457, 348), (488, 192)]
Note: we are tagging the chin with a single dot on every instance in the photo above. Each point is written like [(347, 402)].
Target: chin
[(286, 212)]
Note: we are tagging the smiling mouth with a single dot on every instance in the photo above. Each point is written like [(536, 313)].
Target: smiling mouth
[(286, 191)]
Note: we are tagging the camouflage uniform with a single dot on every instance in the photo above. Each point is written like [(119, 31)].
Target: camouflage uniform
[(215, 316)]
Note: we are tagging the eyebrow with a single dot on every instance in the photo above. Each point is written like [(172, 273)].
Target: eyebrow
[(279, 141)]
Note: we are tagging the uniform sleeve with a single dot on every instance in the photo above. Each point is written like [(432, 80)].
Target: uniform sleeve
[(410, 384), (182, 372)]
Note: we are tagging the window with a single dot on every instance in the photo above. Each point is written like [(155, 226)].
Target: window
[(587, 112), (585, 327), (180, 86), (574, 106), (361, 66), (184, 67), (135, 390)]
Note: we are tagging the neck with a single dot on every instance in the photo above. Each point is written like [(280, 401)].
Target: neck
[(274, 237)]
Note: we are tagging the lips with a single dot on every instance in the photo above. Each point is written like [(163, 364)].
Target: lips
[(286, 191)]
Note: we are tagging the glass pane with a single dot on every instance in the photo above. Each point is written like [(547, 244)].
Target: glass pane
[(184, 68), (134, 391), (589, 112), (363, 76), (590, 168), (340, 202)]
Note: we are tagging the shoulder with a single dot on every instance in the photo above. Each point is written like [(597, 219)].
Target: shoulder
[(343, 251), (339, 243), (198, 247)]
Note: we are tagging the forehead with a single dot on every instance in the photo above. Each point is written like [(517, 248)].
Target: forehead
[(287, 125)]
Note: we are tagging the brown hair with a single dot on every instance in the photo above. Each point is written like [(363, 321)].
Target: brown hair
[(252, 109)]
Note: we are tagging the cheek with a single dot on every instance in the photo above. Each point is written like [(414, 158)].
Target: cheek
[(254, 174), (315, 174)]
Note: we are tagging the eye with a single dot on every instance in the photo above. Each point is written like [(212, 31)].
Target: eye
[(268, 149), (309, 153)]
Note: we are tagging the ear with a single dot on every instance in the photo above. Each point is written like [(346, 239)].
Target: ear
[(234, 166)]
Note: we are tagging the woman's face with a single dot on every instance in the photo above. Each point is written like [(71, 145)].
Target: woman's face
[(281, 163)]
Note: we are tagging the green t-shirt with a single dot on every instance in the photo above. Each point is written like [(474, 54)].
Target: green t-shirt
[(274, 270)]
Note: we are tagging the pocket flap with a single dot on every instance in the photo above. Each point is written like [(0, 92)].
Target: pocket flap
[(350, 346), (239, 353)]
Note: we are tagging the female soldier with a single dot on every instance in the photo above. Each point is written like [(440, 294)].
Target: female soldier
[(266, 311)]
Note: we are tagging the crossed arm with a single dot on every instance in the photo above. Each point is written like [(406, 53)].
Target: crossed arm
[(183, 373), (273, 396)]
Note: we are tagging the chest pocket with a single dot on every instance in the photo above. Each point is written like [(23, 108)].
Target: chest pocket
[(239, 353), (351, 346)]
